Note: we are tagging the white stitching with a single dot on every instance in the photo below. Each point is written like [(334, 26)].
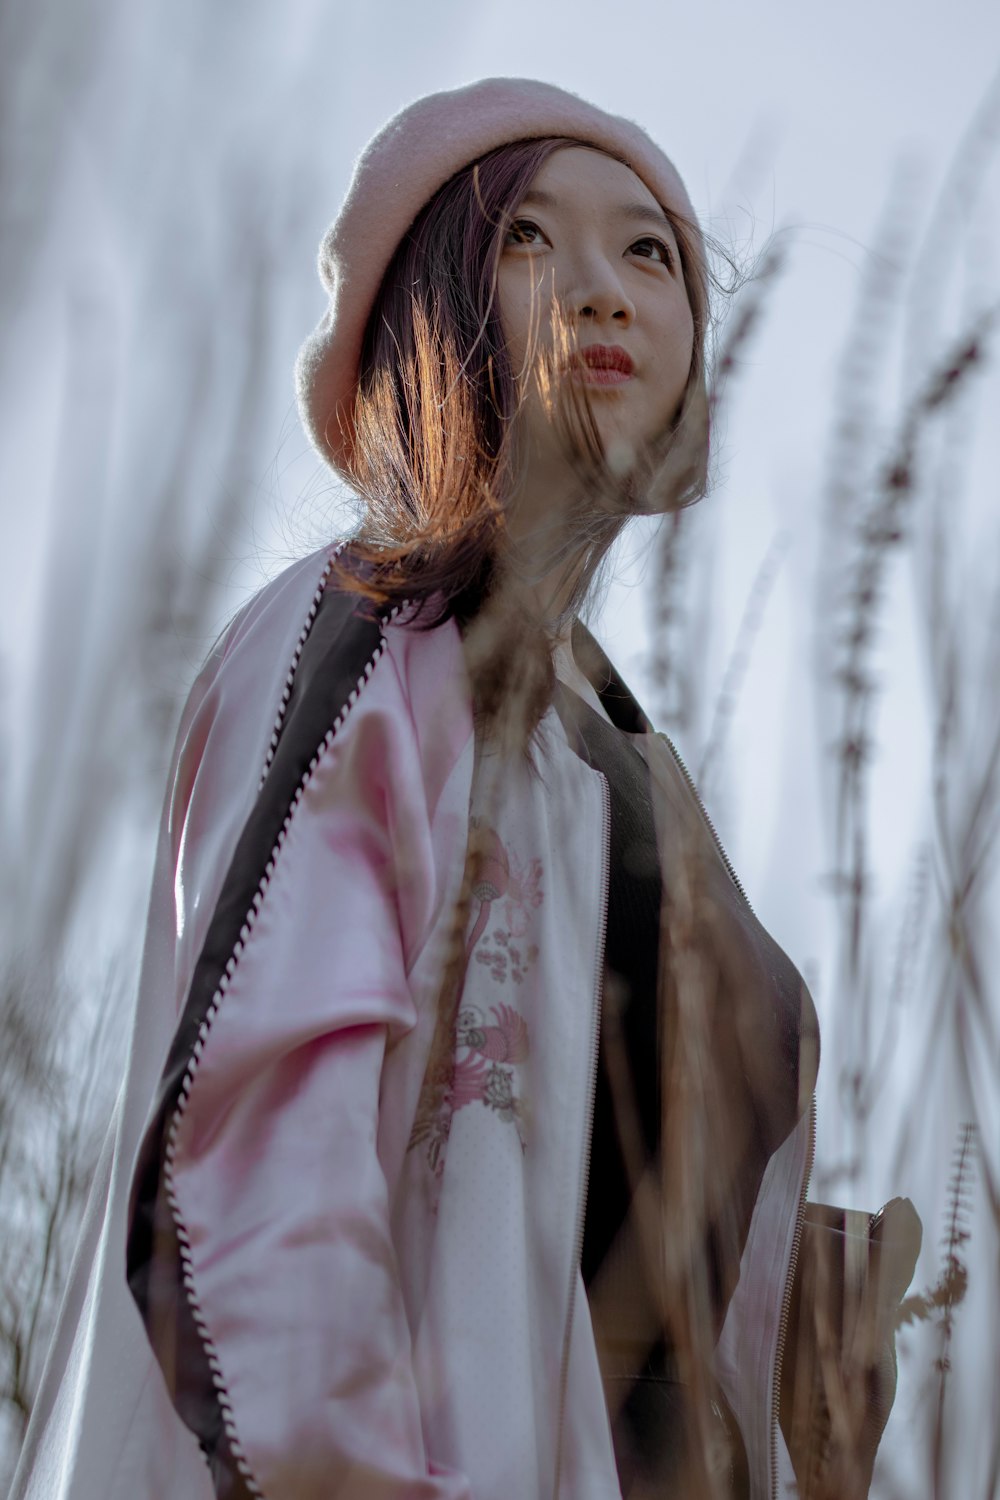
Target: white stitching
[(184, 1094), (286, 691)]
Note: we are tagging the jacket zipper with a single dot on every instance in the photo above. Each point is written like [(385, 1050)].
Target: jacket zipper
[(786, 1301), (704, 812), (584, 1175)]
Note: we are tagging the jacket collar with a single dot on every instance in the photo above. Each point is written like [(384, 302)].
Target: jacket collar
[(617, 699)]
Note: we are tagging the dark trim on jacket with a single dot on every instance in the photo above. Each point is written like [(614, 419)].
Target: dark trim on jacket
[(343, 642)]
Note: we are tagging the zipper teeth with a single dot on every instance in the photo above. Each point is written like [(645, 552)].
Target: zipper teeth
[(595, 1038), (786, 1301), (704, 812)]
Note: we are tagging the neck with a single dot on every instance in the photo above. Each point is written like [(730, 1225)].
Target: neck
[(544, 560), (545, 598)]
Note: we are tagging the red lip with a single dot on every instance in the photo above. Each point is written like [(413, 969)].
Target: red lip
[(605, 357)]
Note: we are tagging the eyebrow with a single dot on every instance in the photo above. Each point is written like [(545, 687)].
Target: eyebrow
[(635, 212)]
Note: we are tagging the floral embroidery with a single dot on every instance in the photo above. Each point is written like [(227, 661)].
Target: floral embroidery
[(499, 873), (506, 1040), (488, 1047), (486, 1055), (496, 959)]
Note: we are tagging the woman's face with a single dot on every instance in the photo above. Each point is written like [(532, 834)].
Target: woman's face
[(591, 235)]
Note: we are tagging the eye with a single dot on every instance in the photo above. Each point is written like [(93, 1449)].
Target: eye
[(524, 232), (651, 248)]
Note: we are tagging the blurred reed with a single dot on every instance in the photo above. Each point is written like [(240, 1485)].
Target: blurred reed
[(148, 513), (911, 1017), (157, 442)]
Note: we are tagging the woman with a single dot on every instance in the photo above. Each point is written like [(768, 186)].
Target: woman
[(465, 1137)]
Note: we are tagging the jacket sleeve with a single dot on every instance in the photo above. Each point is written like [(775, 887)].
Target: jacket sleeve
[(838, 1375), (260, 1252)]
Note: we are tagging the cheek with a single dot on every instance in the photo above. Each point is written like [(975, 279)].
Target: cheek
[(678, 347), (526, 311), (680, 333), (676, 351), (514, 305)]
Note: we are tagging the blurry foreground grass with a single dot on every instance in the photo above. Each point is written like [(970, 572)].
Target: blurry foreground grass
[(911, 1045)]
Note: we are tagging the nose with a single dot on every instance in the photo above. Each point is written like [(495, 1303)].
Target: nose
[(599, 295)]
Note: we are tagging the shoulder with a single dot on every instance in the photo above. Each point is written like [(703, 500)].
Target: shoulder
[(302, 669), (309, 703), (345, 661), (274, 622), (228, 719), (305, 636)]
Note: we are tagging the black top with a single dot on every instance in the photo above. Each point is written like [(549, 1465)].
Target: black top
[(629, 1049), (645, 1397)]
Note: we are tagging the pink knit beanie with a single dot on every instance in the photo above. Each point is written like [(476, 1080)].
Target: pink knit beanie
[(399, 171)]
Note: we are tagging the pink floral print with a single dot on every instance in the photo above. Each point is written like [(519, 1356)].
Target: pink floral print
[(489, 1045)]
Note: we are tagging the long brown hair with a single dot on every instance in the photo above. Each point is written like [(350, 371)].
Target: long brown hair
[(432, 458), (437, 395)]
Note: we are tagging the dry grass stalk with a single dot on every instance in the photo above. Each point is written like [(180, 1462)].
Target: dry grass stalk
[(175, 584), (880, 534), (54, 1099), (739, 661)]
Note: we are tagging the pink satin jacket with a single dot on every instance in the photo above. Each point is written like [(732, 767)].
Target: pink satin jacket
[(301, 1276)]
